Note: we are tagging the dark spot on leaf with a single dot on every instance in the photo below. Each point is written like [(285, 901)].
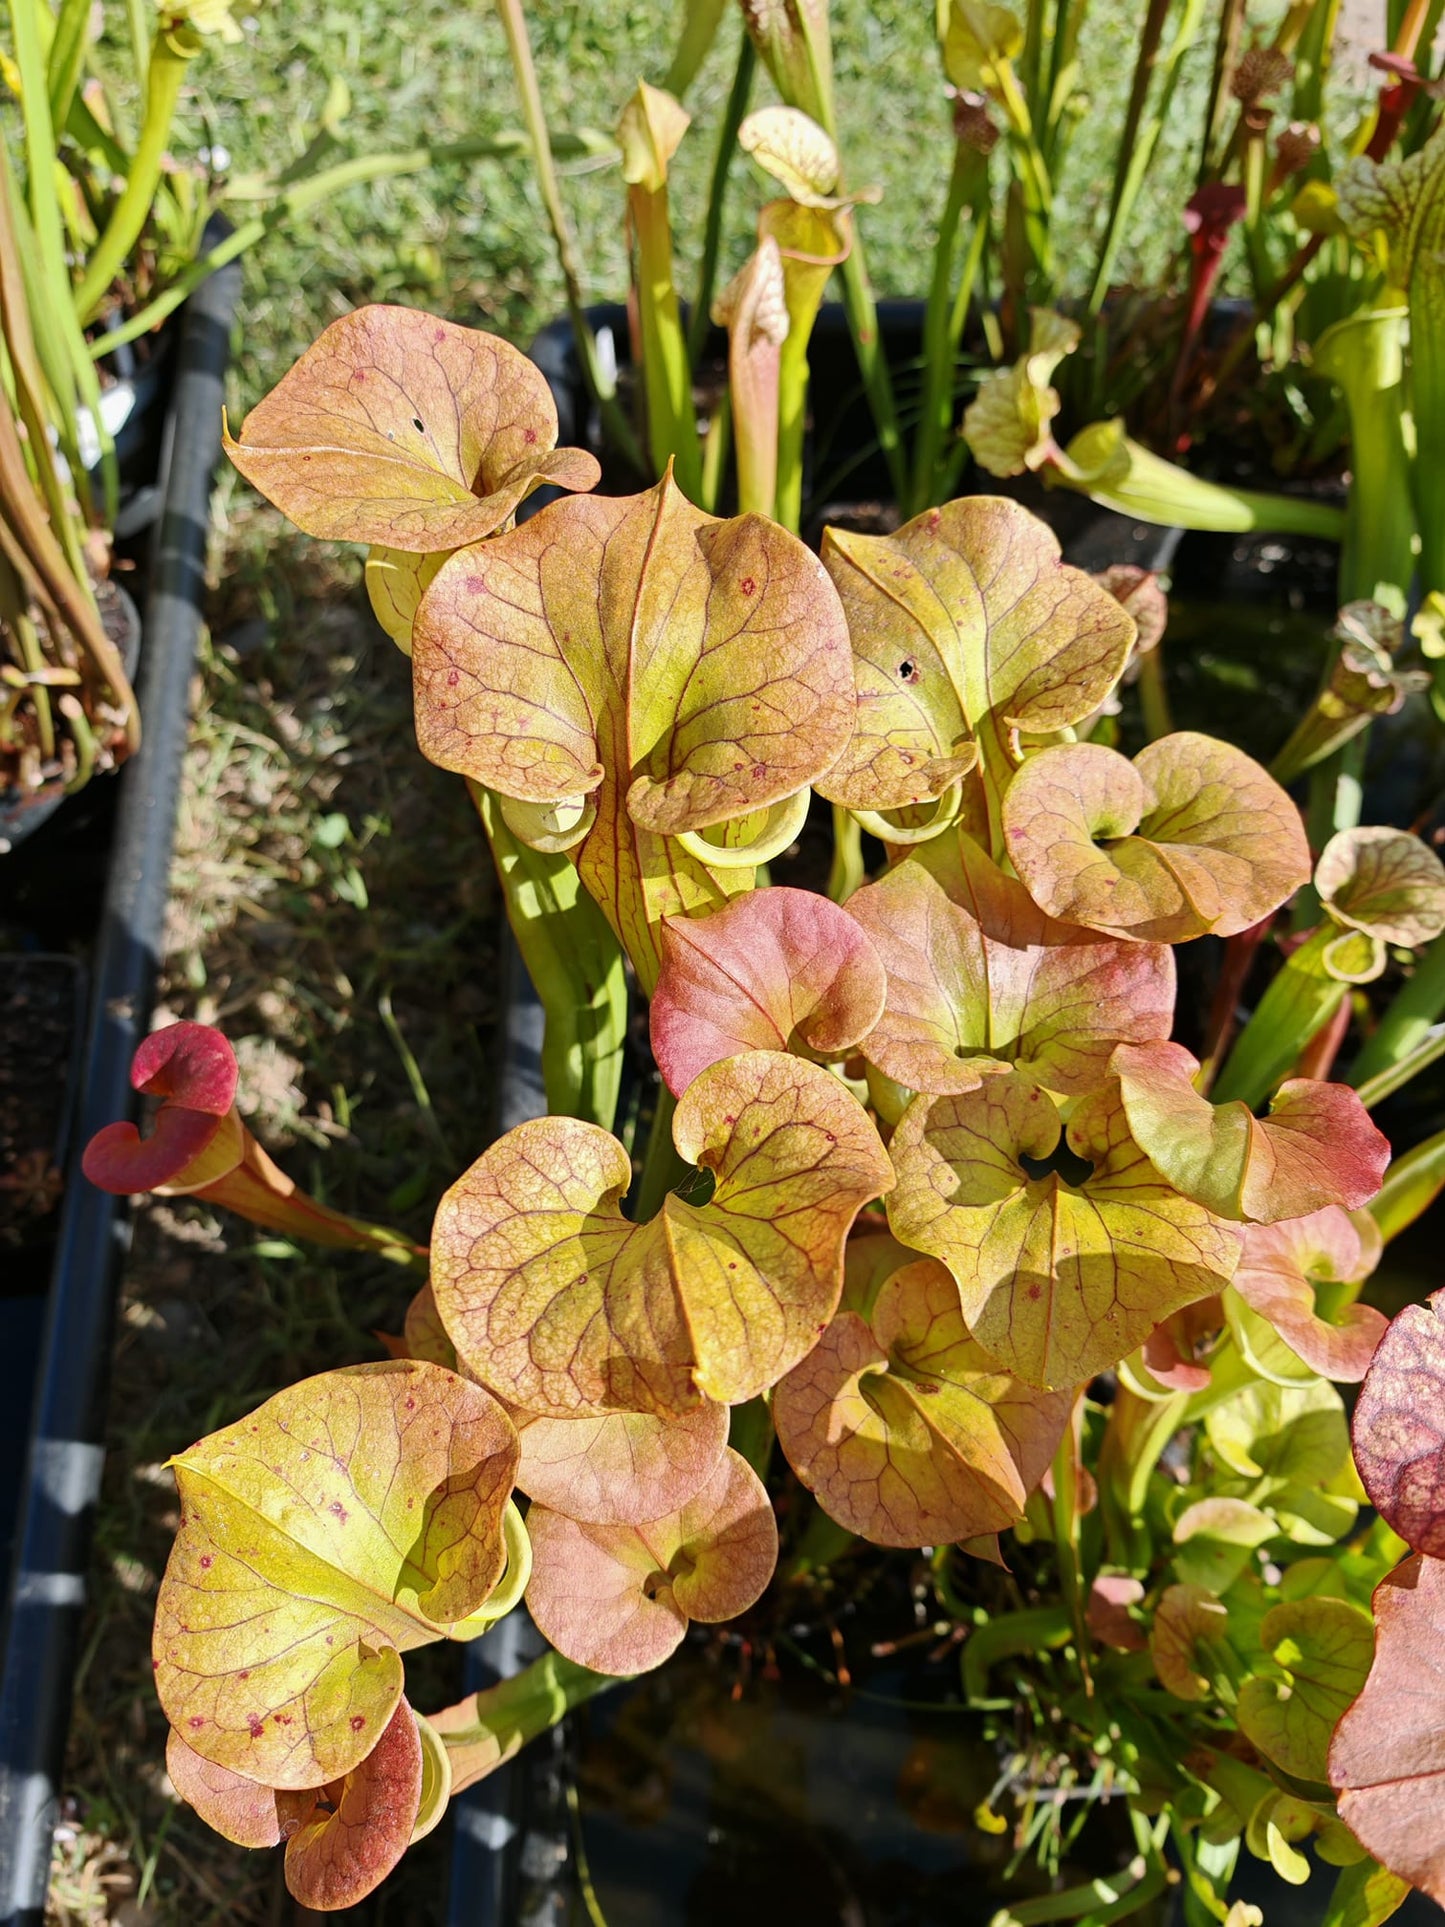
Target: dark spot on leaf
[(196, 1722), (908, 670), (338, 1511), (530, 437), (256, 1724), (454, 676), (358, 1720), (205, 1562), (476, 585), (418, 425), (747, 585), (411, 1405), (440, 335)]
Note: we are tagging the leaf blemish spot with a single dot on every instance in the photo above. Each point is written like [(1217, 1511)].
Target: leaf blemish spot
[(747, 585), (256, 1724), (907, 670), (358, 1720)]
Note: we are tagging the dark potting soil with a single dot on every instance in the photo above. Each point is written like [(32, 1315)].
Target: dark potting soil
[(40, 1014), (813, 1765)]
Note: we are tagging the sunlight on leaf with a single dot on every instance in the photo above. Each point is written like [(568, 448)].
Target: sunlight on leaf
[(619, 1598), (966, 626), (624, 1468), (1399, 1426), (1187, 1622), (564, 1307), (685, 670), (904, 1428), (398, 429), (978, 978), (1317, 1147), (779, 969), (350, 1518), (1387, 1758), (342, 1842), (1189, 838), (1301, 1276), (1323, 1648), (1385, 882), (1009, 424), (1059, 1278)]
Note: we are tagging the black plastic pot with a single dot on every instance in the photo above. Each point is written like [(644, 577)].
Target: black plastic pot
[(845, 474), (55, 1350)]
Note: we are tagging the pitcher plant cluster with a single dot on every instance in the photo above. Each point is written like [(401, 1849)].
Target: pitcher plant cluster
[(933, 1204)]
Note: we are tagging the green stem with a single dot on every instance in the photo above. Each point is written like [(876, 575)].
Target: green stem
[(1068, 28), (1108, 1898), (1132, 158), (792, 426), (168, 64), (662, 1168), (968, 175), (1299, 1000), (1065, 1520), (751, 1434), (576, 966), (1037, 1629), (1154, 694), (138, 27), (15, 615), (599, 384), (666, 372), (1135, 1435), (67, 57), (83, 737), (1226, 58), (872, 364), (845, 873), (1411, 1186), (1312, 62), (715, 452), (733, 115), (1417, 1005), (489, 1728), (41, 241), (1374, 1090), (700, 22), (1364, 357)]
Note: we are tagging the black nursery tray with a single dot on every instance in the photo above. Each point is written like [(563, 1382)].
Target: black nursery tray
[(95, 881)]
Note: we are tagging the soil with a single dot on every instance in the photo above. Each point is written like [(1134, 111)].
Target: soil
[(39, 1019)]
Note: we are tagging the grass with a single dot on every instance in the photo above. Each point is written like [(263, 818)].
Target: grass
[(472, 242), (323, 869)]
